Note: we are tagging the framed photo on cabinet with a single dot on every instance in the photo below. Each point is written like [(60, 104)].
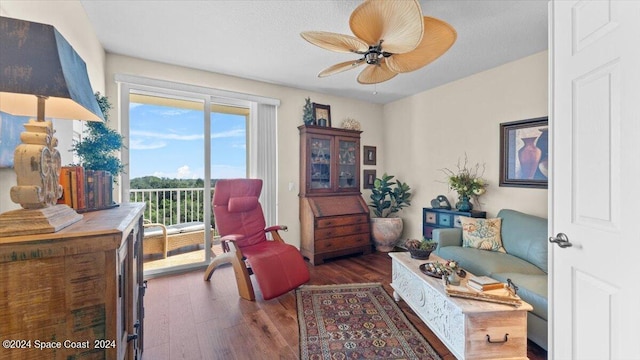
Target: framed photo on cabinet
[(322, 114), (524, 153)]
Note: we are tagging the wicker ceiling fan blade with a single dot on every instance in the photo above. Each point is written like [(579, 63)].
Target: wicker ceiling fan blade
[(374, 74), (335, 42), (398, 23), (343, 66), (438, 38)]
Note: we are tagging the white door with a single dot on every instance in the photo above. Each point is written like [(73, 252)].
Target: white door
[(595, 183)]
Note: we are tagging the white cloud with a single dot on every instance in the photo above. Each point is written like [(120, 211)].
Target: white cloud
[(184, 172), (166, 136), (149, 140), (172, 112), (140, 144), (229, 133)]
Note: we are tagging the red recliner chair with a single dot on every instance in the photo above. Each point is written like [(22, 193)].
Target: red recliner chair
[(277, 266)]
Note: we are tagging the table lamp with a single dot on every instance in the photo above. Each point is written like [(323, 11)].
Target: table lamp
[(39, 67)]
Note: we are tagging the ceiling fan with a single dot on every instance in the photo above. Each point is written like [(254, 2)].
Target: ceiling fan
[(391, 36)]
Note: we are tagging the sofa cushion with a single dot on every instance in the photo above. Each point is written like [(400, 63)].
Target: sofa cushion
[(187, 227), (483, 234), (525, 236), (481, 262), (531, 288), (157, 231)]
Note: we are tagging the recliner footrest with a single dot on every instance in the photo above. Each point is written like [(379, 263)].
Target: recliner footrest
[(278, 267)]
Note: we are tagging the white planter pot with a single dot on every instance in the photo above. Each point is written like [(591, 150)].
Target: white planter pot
[(386, 232)]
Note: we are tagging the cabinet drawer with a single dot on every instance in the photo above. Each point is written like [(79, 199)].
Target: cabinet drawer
[(496, 325), (456, 221), (427, 232), (336, 231), (343, 242), (445, 220), (341, 220), (430, 217)]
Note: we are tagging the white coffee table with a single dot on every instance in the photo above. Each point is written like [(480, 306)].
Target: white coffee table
[(471, 329)]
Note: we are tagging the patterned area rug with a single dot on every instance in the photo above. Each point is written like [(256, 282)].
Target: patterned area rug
[(356, 321)]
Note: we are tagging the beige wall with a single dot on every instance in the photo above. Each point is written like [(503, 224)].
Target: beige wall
[(432, 130), (438, 126), (289, 118), (71, 21)]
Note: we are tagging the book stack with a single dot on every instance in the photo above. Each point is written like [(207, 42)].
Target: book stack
[(86, 189), (484, 283)]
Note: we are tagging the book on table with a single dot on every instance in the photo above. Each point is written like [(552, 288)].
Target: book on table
[(487, 287), (484, 283)]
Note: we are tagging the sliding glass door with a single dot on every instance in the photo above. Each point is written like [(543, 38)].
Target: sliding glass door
[(178, 146)]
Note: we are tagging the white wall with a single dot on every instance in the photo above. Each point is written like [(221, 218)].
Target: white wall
[(432, 130), (70, 19), (289, 118)]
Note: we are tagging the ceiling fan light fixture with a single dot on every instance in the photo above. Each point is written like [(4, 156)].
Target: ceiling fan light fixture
[(372, 57), (411, 40)]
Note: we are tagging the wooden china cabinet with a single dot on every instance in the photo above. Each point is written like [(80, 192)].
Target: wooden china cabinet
[(333, 216)]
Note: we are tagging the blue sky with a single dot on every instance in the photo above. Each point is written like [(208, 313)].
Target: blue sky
[(168, 142)]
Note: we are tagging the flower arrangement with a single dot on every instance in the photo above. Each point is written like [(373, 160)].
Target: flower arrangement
[(451, 265), (466, 181), (454, 273), (351, 124)]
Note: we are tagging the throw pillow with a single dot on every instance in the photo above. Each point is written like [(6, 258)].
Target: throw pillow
[(483, 234)]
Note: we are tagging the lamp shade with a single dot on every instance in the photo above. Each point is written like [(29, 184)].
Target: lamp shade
[(35, 59)]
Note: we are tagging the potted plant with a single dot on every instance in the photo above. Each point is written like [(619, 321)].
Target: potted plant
[(420, 249), (307, 112), (387, 198), (97, 150)]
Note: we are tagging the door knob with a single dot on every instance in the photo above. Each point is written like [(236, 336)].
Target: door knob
[(561, 240)]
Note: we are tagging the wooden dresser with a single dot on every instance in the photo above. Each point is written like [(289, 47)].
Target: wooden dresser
[(78, 292), (334, 218)]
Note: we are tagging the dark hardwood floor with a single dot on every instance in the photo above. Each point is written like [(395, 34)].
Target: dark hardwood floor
[(188, 318)]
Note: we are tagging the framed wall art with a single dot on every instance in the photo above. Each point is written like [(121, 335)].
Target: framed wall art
[(368, 178), (524, 153), (369, 155), (322, 114)]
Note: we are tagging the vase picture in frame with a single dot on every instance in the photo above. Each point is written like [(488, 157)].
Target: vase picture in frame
[(524, 153), (322, 114)]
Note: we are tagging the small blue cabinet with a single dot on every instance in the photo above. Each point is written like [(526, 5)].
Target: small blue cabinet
[(442, 218)]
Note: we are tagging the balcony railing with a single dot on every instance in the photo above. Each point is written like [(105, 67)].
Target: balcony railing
[(172, 206)]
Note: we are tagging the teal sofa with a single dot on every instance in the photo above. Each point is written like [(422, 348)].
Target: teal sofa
[(524, 237)]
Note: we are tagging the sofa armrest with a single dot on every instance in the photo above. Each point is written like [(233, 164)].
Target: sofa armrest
[(447, 237)]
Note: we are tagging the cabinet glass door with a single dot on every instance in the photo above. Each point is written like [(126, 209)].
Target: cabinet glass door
[(320, 163), (347, 161)]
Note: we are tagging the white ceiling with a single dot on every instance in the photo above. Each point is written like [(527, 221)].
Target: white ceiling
[(260, 39)]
